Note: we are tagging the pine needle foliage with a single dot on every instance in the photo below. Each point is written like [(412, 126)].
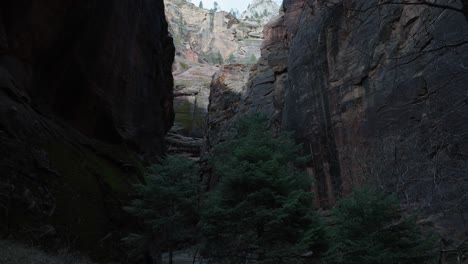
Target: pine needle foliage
[(167, 203), (370, 229), (261, 208)]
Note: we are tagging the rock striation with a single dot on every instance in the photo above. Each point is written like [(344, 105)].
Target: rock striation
[(261, 10), (190, 106), (205, 40), (373, 91), (226, 102), (85, 97), (210, 36)]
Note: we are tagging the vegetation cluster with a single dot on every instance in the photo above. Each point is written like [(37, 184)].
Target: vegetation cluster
[(261, 210)]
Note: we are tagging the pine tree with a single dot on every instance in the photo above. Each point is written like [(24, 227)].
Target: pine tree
[(253, 58), (167, 204), (261, 208), (231, 58), (200, 5), (370, 229), (219, 58)]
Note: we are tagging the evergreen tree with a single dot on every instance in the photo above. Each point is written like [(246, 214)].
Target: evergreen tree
[(219, 58), (370, 229), (200, 5), (253, 58), (231, 58), (167, 204), (261, 208)]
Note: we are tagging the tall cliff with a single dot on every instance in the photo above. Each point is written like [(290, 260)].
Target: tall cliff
[(374, 91), (261, 10), (85, 97), (210, 36), (204, 40)]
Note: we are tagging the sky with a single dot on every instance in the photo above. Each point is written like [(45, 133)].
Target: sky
[(226, 5)]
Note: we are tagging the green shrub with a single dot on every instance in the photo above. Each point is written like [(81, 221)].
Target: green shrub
[(261, 208), (167, 204), (253, 58), (231, 58), (370, 229), (218, 58), (183, 65)]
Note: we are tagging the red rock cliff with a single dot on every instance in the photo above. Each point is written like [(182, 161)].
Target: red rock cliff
[(374, 92)]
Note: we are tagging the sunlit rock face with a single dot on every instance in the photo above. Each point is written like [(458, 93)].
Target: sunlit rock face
[(213, 37), (359, 85), (85, 96), (261, 10), (205, 40), (190, 105)]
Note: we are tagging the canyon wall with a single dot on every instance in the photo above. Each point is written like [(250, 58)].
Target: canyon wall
[(85, 98), (205, 39), (211, 36), (261, 10), (374, 92)]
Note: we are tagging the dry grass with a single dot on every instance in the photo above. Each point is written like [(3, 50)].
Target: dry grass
[(15, 253)]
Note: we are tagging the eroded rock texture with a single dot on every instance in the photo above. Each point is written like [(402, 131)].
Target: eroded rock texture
[(227, 97), (191, 97), (261, 10), (204, 40), (374, 92), (85, 93), (205, 36)]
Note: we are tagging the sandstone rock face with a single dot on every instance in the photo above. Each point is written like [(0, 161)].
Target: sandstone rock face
[(261, 10), (259, 88), (227, 96), (361, 84), (191, 99), (203, 39), (85, 92), (383, 79), (205, 36)]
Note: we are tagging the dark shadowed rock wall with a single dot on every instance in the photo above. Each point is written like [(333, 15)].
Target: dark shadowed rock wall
[(85, 96), (227, 95), (368, 76), (374, 92)]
